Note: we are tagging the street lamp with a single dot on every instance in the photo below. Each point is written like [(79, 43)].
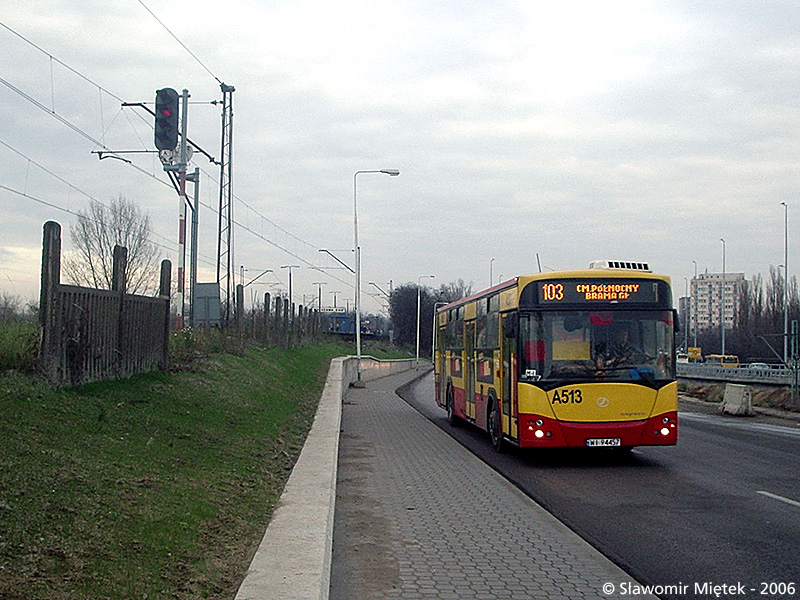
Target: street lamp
[(785, 283), (491, 275), (686, 320), (694, 301), (722, 299), (419, 300), (357, 249)]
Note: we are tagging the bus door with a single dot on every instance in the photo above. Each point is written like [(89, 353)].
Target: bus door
[(438, 365), (507, 345), (469, 372)]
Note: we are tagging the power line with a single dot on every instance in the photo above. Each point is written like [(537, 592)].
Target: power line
[(100, 144), (66, 210), (64, 181), (184, 46), (61, 62), (75, 128)]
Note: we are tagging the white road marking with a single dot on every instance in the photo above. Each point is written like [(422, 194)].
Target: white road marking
[(791, 432), (781, 498)]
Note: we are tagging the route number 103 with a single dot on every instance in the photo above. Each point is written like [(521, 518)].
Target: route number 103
[(553, 291)]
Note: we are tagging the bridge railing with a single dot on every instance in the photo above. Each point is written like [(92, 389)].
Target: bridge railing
[(745, 374)]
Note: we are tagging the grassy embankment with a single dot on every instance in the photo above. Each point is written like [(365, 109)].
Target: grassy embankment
[(159, 486)]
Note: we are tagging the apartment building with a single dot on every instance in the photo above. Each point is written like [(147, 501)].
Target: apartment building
[(708, 291)]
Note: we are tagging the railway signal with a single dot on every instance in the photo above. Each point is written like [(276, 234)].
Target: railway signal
[(166, 126)]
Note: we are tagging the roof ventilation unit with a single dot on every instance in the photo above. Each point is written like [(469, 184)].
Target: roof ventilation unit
[(620, 265)]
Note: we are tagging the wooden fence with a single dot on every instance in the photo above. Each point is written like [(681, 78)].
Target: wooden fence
[(90, 334)]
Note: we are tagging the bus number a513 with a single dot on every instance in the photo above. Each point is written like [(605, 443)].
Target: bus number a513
[(567, 397)]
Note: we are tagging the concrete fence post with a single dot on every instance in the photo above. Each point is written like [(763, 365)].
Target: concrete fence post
[(164, 293), (49, 313), (118, 285)]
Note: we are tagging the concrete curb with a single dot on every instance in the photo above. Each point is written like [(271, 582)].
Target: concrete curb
[(293, 560)]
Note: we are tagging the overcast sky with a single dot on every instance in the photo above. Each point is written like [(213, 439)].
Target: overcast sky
[(626, 130)]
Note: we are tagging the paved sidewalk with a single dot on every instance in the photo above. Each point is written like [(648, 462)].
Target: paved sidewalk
[(419, 516)]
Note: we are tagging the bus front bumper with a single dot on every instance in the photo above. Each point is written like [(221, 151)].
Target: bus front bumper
[(542, 432)]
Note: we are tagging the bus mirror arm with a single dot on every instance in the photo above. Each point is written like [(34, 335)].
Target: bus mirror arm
[(676, 320)]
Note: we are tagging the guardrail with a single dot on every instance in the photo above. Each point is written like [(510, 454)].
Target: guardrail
[(763, 376)]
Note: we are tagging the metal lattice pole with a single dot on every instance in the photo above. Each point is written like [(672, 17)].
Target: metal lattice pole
[(225, 264)]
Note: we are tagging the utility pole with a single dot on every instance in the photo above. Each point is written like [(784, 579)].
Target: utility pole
[(319, 285), (225, 264), (291, 305), (181, 296), (194, 178)]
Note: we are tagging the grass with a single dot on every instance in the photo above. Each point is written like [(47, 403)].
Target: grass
[(159, 486), (19, 342)]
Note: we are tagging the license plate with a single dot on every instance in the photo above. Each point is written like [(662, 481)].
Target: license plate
[(603, 442)]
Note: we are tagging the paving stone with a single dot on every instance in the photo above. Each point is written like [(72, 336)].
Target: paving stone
[(445, 524)]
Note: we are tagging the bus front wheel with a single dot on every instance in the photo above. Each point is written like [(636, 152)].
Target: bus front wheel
[(494, 425)]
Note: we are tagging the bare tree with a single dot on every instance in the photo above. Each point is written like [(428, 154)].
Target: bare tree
[(455, 290), (94, 236)]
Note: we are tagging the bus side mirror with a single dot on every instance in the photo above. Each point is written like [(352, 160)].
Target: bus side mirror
[(676, 320), (510, 325)]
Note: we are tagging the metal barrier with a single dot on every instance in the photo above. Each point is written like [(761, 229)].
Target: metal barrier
[(763, 376)]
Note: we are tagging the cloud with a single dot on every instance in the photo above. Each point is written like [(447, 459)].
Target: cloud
[(573, 130)]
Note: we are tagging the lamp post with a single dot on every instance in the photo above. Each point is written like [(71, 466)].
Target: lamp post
[(722, 299), (357, 249), (694, 301), (785, 283), (686, 320), (491, 275), (419, 301)]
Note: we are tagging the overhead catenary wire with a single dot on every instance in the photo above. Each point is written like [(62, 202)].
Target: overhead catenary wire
[(52, 112), (184, 46), (78, 214)]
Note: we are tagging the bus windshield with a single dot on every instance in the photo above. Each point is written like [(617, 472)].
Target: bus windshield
[(597, 345)]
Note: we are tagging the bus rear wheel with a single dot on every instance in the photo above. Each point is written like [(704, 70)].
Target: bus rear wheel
[(494, 425)]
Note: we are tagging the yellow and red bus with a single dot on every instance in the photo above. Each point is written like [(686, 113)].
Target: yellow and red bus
[(730, 361), (563, 359)]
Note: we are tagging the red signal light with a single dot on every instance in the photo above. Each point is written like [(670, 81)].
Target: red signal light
[(166, 125)]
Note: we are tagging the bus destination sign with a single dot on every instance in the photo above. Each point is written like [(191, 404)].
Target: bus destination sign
[(580, 291)]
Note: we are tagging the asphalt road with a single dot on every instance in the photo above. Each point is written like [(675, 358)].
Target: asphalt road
[(720, 508)]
